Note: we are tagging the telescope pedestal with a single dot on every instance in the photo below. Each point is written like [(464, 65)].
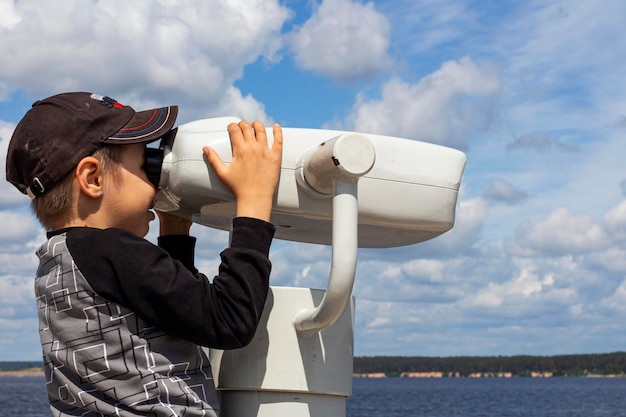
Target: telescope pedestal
[(282, 373)]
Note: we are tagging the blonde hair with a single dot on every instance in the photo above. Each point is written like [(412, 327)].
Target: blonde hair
[(58, 199)]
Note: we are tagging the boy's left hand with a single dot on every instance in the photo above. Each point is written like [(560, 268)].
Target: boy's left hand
[(172, 225), (254, 170)]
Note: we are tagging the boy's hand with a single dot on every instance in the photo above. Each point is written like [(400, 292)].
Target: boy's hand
[(172, 225), (255, 168)]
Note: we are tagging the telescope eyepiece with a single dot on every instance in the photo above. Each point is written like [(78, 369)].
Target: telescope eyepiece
[(153, 163)]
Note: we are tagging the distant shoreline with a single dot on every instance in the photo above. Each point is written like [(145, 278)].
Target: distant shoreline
[(485, 375), (38, 372), (23, 372), (583, 365)]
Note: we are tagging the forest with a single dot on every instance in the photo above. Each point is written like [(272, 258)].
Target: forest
[(19, 365), (522, 365)]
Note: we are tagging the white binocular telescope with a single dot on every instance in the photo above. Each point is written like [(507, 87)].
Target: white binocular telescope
[(407, 190)]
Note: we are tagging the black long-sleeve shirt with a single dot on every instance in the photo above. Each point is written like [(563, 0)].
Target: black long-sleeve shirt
[(174, 296), (121, 320)]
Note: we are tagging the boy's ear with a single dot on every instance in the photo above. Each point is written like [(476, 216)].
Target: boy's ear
[(90, 177)]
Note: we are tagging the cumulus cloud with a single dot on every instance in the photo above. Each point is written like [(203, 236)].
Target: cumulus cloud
[(244, 107), (526, 286), (16, 294), (622, 186), (344, 40), (444, 107), (17, 313), (617, 300), (564, 281), (504, 192), (300, 264), (9, 195), (615, 223), (461, 293), (441, 271), (565, 233), (429, 281), (159, 50), (471, 215), (483, 299), (17, 227), (613, 259), (539, 142), (562, 232), (428, 270), (9, 16), (427, 26)]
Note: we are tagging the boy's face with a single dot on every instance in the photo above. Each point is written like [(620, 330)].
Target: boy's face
[(130, 195)]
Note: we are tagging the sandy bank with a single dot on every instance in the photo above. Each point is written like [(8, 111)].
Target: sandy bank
[(23, 372)]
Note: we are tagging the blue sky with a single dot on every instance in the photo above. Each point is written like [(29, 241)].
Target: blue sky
[(531, 91)]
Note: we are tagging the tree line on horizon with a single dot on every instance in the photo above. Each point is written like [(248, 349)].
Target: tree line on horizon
[(521, 365), (19, 365)]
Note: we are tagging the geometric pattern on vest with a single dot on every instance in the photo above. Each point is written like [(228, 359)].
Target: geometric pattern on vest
[(101, 359)]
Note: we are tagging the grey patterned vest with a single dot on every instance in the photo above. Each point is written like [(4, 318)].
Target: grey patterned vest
[(100, 359)]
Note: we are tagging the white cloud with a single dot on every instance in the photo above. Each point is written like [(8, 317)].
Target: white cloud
[(159, 50), (247, 108), (20, 339), (523, 293), (560, 287), (344, 40), (445, 107), (470, 218), (559, 80), (17, 227), (16, 293), (612, 259), (615, 222), (540, 142), (427, 281), (18, 315), (19, 258), (9, 195), (573, 282), (617, 300), (426, 26), (562, 232), (8, 15), (505, 192), (427, 270), (548, 30), (300, 264)]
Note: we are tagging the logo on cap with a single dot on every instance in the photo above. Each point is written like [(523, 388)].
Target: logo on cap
[(106, 101)]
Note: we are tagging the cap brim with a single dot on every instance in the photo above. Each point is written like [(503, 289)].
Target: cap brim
[(146, 126)]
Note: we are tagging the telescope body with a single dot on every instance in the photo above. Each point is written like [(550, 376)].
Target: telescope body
[(408, 196)]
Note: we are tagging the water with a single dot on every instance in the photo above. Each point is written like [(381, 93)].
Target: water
[(23, 396), (416, 397), (488, 397)]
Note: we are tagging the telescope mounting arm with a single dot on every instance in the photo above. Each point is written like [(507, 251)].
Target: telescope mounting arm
[(334, 168)]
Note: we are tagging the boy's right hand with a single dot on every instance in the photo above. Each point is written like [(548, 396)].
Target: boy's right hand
[(253, 174)]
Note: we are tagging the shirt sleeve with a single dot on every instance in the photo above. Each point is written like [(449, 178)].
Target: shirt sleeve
[(133, 272), (181, 248)]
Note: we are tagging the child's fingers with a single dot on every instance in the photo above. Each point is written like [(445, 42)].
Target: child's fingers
[(277, 146), (235, 131), (259, 132), (246, 131), (214, 159)]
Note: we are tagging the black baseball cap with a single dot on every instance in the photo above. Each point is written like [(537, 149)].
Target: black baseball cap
[(57, 132)]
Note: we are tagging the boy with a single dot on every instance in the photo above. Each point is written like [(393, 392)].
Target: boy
[(122, 320)]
